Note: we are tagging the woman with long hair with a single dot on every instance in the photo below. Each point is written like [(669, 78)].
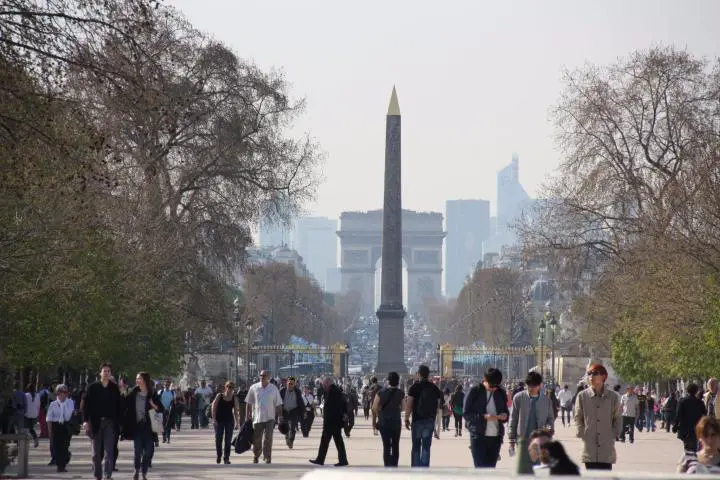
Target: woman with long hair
[(225, 414), (140, 403), (456, 402), (32, 400), (553, 453)]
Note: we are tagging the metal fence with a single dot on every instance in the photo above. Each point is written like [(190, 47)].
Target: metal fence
[(514, 362), (300, 360)]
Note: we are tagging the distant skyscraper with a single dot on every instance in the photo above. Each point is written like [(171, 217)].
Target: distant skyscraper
[(333, 280), (315, 238), (468, 226), (274, 235), (511, 200)]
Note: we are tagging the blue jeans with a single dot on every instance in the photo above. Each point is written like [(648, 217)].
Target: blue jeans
[(650, 420), (640, 421), (421, 433), (144, 448)]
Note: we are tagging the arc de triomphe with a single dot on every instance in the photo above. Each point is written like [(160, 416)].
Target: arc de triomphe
[(361, 246)]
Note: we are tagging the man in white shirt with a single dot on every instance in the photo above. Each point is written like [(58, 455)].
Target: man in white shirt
[(630, 405), (565, 398), (263, 406), (204, 396), (58, 419)]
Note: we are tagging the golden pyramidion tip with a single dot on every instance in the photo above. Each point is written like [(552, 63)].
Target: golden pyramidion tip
[(394, 107)]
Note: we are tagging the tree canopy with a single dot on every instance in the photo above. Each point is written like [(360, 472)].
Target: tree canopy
[(136, 154), (630, 222)]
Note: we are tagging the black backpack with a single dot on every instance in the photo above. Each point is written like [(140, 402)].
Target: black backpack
[(426, 405)]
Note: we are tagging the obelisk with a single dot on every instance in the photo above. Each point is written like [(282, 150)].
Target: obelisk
[(391, 314)]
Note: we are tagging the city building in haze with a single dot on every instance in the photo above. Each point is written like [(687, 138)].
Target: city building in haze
[(468, 227), (512, 200), (273, 235), (315, 239)]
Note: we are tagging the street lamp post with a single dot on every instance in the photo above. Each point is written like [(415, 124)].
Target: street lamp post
[(439, 360), (249, 328), (541, 339), (238, 314), (553, 327)]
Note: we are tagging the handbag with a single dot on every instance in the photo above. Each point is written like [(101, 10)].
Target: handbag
[(156, 421), (75, 423)]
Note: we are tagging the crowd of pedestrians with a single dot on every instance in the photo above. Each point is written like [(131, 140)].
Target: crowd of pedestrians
[(489, 412)]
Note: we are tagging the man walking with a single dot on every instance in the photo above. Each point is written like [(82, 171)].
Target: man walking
[(597, 420), (293, 408), (423, 400), (204, 396), (263, 405), (629, 405), (334, 410), (641, 410), (531, 410), (18, 408), (485, 413), (167, 398), (102, 413), (565, 397)]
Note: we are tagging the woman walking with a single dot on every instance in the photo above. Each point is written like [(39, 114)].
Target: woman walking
[(387, 415), (456, 403), (140, 403), (447, 413), (32, 410), (179, 406), (225, 415)]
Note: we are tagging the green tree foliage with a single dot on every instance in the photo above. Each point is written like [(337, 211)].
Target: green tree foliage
[(630, 224), (136, 153)]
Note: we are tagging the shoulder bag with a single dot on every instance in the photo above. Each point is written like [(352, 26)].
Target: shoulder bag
[(156, 420), (383, 407)]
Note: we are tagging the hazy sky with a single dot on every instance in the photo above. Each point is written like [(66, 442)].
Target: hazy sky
[(475, 79)]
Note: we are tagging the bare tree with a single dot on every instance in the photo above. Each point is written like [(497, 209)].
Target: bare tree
[(630, 223)]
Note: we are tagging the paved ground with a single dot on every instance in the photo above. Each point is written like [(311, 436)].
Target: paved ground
[(191, 455)]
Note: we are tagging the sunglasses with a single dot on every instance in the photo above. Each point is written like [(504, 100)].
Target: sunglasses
[(593, 373)]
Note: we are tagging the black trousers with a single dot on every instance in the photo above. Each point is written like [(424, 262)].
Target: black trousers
[(350, 424), (598, 466), (293, 422), (307, 422), (485, 450), (61, 444), (334, 432), (458, 422), (391, 445), (690, 443), (628, 426)]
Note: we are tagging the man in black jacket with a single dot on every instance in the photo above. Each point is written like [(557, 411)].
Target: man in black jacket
[(102, 414), (294, 408), (485, 413), (690, 410), (333, 411)]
